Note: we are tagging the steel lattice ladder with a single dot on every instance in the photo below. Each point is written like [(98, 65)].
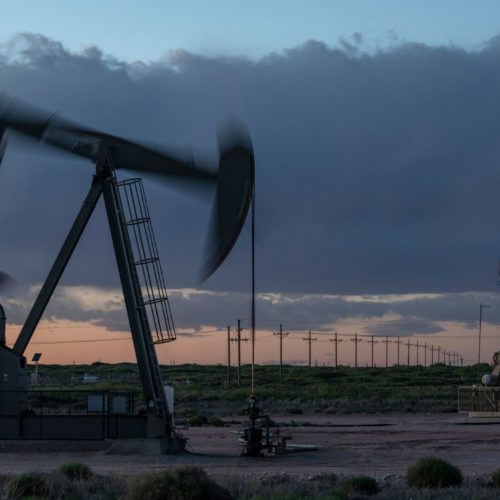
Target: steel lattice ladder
[(135, 213), (149, 294)]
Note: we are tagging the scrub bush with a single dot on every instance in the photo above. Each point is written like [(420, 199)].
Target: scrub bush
[(495, 477), (76, 470), (26, 485), (431, 472), (184, 483), (361, 485)]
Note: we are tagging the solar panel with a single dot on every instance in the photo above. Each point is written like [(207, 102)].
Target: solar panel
[(36, 356)]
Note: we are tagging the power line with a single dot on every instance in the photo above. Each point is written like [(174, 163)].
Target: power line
[(79, 341)]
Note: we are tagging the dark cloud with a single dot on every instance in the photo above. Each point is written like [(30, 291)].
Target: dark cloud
[(407, 327), (376, 173), (196, 311)]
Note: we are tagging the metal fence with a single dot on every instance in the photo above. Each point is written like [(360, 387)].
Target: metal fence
[(478, 399), (67, 414), (68, 402)]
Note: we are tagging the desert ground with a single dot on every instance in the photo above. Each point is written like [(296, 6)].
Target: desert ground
[(379, 445)]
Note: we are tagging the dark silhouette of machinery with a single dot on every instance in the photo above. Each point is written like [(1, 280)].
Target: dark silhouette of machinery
[(257, 435), (493, 378), (135, 249), (482, 400)]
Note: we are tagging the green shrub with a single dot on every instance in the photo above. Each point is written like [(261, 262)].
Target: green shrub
[(184, 483), (431, 472), (76, 470), (216, 422), (26, 485), (197, 420), (338, 494), (495, 477), (362, 485)]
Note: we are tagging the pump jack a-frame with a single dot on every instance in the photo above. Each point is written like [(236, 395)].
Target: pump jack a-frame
[(136, 255)]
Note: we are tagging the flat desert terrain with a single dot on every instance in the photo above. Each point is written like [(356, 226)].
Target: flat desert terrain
[(380, 445)]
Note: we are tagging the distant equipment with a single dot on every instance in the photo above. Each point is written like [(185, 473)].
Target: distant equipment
[(258, 439), (482, 400), (88, 378), (135, 249)]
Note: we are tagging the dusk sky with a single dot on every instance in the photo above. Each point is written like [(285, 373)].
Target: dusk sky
[(376, 131)]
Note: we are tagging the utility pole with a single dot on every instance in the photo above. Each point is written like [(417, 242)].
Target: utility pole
[(408, 345), (372, 341), (462, 361), (439, 354), (432, 355), (310, 340), (386, 342), (239, 352), (398, 342), (356, 340), (444, 357), (449, 358), (417, 346), (281, 335), (336, 341), (425, 353), (238, 340), (481, 307), (228, 356)]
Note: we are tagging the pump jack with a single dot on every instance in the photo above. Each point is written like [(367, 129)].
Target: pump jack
[(134, 245)]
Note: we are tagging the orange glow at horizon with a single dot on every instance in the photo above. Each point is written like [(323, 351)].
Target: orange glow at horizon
[(67, 342)]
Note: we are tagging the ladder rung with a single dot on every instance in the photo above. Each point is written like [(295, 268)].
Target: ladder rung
[(141, 220), (164, 340), (143, 262), (155, 301)]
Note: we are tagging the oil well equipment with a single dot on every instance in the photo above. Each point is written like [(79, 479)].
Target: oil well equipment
[(482, 400), (28, 414)]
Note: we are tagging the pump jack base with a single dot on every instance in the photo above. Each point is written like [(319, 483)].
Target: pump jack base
[(173, 445)]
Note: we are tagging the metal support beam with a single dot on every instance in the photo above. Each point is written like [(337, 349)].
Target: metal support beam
[(58, 267), (139, 325), (160, 424)]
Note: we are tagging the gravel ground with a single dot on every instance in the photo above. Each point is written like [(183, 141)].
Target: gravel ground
[(382, 446)]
